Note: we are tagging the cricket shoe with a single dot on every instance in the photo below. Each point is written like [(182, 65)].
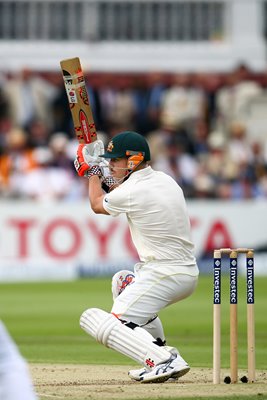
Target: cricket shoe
[(137, 374), (174, 368)]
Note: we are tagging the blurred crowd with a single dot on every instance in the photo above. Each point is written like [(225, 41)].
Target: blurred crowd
[(196, 125)]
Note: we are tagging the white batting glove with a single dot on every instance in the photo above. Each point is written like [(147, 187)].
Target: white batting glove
[(84, 168), (92, 151)]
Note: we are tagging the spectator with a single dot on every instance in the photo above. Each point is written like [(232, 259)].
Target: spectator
[(29, 96), (46, 182), (157, 87), (38, 133), (93, 84), (231, 99), (183, 101), (107, 94), (218, 165), (123, 110), (179, 164), (168, 132), (62, 119), (5, 128), (59, 146), (210, 84), (238, 145), (236, 168), (141, 98), (3, 98), (200, 135), (16, 160), (259, 159)]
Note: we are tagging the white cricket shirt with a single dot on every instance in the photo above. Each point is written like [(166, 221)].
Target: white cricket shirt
[(156, 210)]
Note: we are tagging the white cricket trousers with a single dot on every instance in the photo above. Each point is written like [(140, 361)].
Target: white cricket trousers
[(156, 286)]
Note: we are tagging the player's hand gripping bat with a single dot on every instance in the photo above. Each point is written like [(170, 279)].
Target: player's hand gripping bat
[(81, 112), (78, 99)]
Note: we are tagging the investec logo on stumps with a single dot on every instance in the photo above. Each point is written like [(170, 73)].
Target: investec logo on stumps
[(250, 281), (217, 281), (233, 282)]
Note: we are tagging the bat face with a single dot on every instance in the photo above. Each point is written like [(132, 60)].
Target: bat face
[(78, 100)]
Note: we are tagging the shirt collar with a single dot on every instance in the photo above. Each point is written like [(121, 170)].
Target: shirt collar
[(140, 173)]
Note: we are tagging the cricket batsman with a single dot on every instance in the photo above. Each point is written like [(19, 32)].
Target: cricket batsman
[(160, 229)]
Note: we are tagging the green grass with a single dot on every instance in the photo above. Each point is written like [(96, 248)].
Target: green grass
[(235, 397), (44, 320)]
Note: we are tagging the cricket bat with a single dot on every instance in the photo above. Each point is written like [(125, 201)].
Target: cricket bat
[(78, 99)]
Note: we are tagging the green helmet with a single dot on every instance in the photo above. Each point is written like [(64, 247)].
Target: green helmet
[(125, 144)]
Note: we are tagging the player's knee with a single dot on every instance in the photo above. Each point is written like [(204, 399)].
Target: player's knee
[(120, 281)]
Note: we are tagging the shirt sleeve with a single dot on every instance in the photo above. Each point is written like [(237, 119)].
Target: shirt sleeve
[(117, 202)]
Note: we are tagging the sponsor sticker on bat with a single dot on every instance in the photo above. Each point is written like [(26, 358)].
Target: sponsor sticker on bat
[(72, 97), (85, 126)]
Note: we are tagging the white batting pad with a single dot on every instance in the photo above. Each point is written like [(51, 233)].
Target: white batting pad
[(134, 343)]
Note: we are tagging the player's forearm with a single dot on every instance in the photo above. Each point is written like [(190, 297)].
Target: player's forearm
[(96, 195)]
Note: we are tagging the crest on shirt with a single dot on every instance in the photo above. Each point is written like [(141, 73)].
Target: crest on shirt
[(110, 146)]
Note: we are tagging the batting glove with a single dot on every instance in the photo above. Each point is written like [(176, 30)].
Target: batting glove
[(92, 151), (82, 166), (79, 163)]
